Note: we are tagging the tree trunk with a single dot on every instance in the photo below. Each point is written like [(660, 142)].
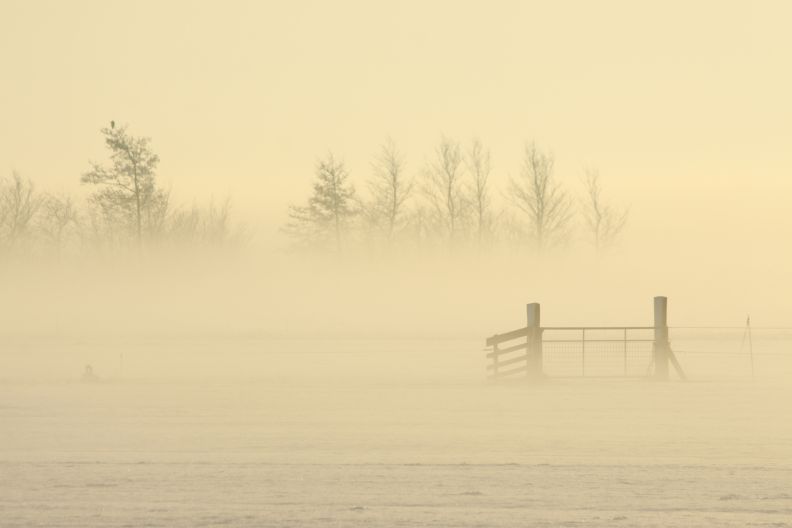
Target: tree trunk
[(137, 205)]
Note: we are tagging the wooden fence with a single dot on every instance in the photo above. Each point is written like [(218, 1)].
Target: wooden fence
[(576, 351)]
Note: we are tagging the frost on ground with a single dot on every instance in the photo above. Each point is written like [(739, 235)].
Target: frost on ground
[(366, 434)]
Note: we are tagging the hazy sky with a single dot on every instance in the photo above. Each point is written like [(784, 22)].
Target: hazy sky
[(683, 106)]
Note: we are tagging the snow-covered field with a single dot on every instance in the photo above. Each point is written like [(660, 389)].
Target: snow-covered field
[(366, 433)]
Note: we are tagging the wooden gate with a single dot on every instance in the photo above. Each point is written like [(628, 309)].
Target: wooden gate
[(576, 351)]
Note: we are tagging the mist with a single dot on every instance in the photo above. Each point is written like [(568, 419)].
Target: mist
[(372, 264)]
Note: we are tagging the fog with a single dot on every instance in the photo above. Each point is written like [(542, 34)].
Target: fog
[(396, 296), (251, 255), (268, 389)]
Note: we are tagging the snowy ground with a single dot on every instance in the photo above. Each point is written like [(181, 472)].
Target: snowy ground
[(400, 433)]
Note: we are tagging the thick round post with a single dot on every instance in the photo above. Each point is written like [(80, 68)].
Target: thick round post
[(661, 345), (534, 361)]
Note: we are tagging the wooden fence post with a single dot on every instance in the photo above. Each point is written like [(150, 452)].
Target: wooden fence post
[(661, 345), (534, 350)]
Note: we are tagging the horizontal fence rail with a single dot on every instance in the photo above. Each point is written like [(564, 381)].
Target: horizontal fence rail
[(576, 351), (503, 357), (584, 351)]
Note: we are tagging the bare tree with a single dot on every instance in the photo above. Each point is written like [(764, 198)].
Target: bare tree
[(478, 163), (444, 188), (419, 224), (58, 216), (19, 204), (210, 225), (390, 190), (127, 186), (216, 225), (157, 209), (329, 210), (539, 196), (603, 222)]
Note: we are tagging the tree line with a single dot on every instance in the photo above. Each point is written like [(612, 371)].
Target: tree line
[(451, 202), (127, 207)]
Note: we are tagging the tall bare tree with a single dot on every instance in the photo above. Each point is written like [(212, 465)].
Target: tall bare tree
[(444, 188), (127, 187), (330, 208), (479, 166), (547, 207), (19, 204), (604, 222), (390, 189)]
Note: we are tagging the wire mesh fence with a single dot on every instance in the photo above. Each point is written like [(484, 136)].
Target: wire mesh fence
[(704, 352), (597, 352), (733, 352)]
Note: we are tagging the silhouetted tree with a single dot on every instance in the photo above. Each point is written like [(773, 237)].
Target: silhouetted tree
[(390, 191), (547, 208), (478, 163), (19, 204), (330, 208), (444, 188), (210, 225), (57, 219), (604, 223), (127, 188)]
